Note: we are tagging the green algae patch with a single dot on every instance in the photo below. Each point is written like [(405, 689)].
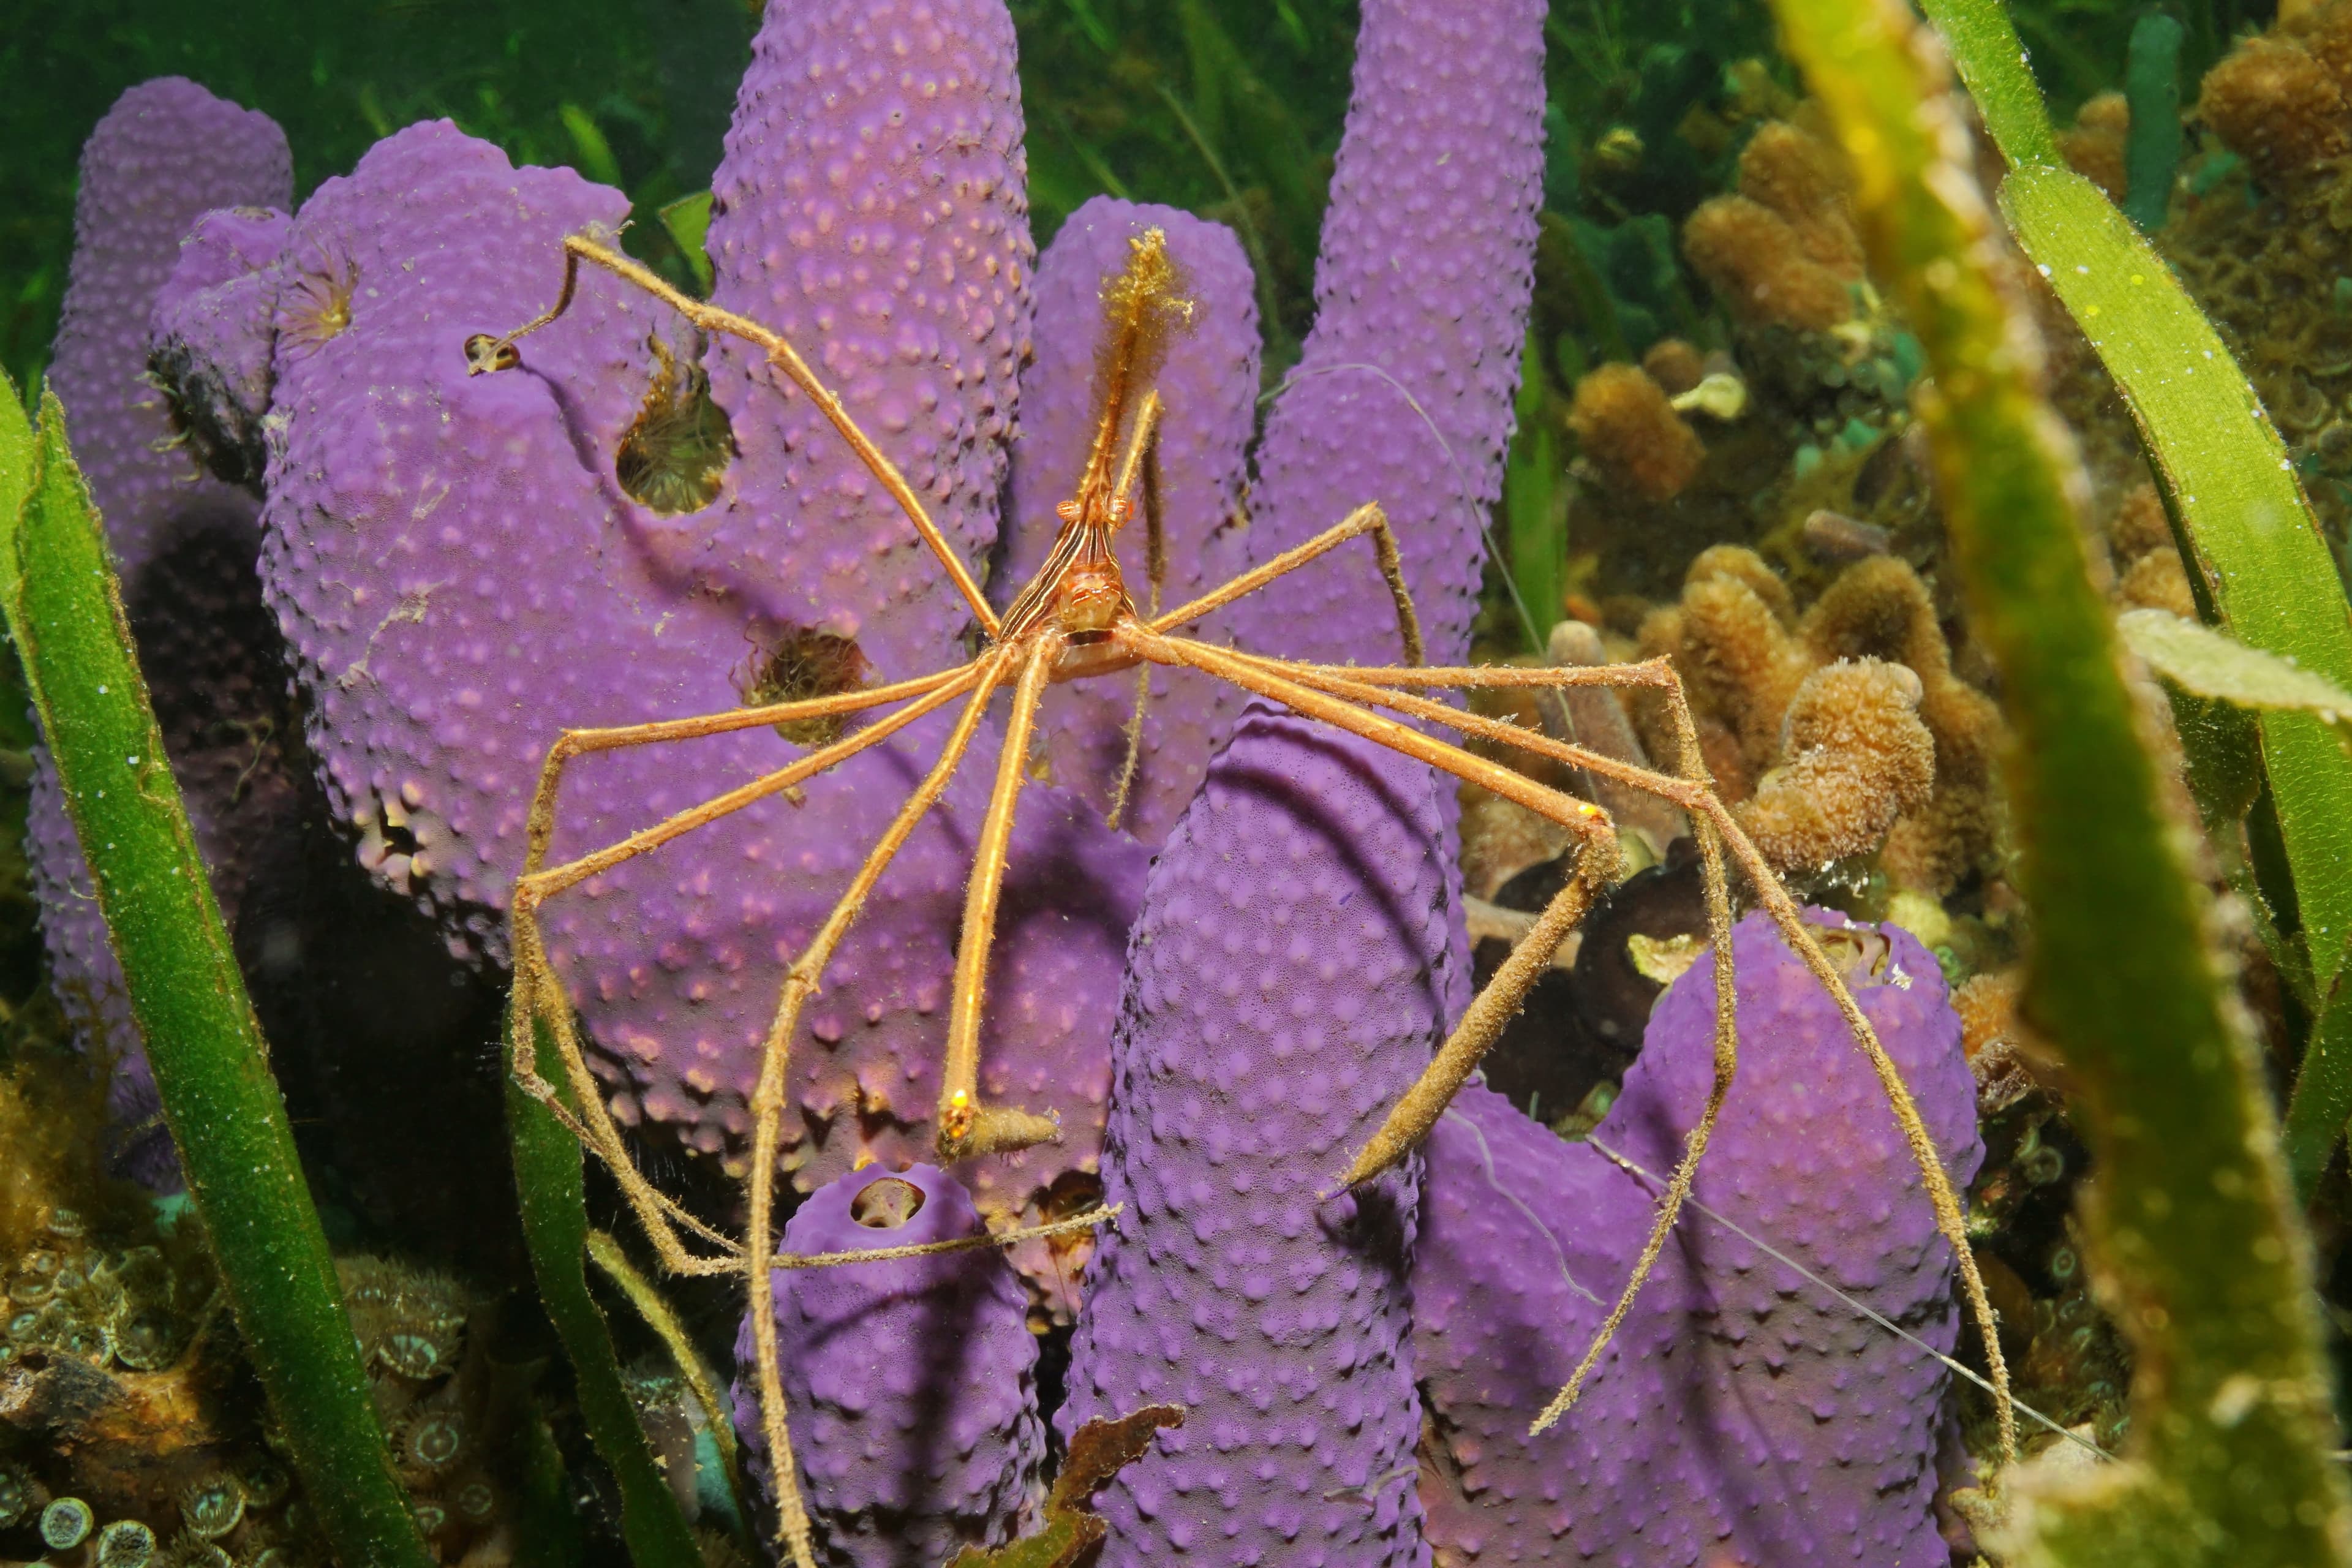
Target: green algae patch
[(2241, 512), (64, 611), (2192, 1231)]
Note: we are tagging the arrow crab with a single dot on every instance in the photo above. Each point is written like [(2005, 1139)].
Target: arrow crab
[(1077, 620)]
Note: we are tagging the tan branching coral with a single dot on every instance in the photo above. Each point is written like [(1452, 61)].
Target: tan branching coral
[(1857, 758), (1784, 249), (1739, 658), (2094, 144), (1760, 687), (1880, 609), (1626, 427), (2277, 105)]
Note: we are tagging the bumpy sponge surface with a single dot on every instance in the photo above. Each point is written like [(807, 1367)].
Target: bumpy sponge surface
[(908, 1381), (1285, 985), (1742, 1414)]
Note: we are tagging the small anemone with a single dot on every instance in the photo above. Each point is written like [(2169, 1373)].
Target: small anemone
[(315, 305), (265, 1482), (406, 1352), (15, 1497), (434, 1440), (125, 1543), (145, 1341), (66, 1524), (677, 450), (188, 1550), (475, 1499), (213, 1506)]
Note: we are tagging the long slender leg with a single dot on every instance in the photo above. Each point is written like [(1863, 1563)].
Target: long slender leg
[(768, 1101), (1367, 519), (1715, 828), (966, 1126), (485, 353), (539, 995)]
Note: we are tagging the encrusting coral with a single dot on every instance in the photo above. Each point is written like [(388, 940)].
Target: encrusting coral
[(1743, 1412), (910, 1380), (167, 153)]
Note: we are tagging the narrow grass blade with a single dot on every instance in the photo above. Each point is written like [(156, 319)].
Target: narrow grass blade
[(64, 610), (2190, 1228), (553, 1191), (2228, 478)]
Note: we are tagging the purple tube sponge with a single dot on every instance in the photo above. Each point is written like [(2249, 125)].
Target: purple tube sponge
[(1404, 393), (873, 207), (908, 1381), (1743, 1414), (1285, 985), (462, 575), (1208, 384), (165, 153), (210, 336)]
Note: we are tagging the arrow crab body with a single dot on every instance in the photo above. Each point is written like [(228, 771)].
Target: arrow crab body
[(1077, 620)]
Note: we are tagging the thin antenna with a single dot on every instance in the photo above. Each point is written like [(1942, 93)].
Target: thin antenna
[(1774, 1253)]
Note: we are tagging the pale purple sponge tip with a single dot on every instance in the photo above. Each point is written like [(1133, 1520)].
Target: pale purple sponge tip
[(1743, 1413), (167, 153), (1404, 393), (872, 208), (1208, 385), (907, 1382), (1285, 987)]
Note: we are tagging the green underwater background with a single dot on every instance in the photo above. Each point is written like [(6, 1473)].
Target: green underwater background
[(2123, 871)]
